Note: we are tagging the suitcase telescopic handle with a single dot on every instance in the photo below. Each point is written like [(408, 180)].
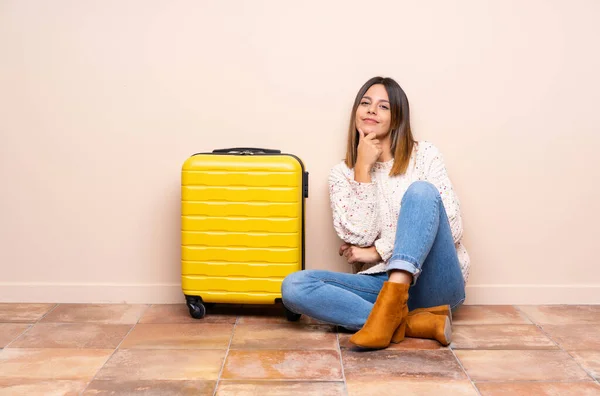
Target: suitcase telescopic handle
[(247, 150)]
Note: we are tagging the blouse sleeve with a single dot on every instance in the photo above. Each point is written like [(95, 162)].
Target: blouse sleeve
[(354, 207), (385, 246)]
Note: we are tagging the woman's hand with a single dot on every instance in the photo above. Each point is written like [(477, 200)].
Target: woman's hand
[(369, 150), (355, 254)]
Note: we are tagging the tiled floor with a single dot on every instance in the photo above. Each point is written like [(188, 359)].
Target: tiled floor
[(70, 349)]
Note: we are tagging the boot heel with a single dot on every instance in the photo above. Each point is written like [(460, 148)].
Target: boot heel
[(399, 333), (430, 326), (446, 338)]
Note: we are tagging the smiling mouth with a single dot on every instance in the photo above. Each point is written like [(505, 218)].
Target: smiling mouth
[(370, 120)]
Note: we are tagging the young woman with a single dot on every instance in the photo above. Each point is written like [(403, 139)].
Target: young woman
[(399, 218)]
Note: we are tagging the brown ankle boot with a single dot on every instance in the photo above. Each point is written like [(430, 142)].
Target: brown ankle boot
[(387, 318), (430, 326), (443, 310)]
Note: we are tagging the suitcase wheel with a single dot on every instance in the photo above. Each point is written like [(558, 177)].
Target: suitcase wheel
[(291, 316), (195, 306)]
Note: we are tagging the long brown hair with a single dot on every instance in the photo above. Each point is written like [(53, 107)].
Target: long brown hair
[(400, 134)]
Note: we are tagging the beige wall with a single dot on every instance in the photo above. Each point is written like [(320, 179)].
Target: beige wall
[(102, 101)]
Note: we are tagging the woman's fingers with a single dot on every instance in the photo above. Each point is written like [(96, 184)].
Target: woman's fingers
[(343, 248), (350, 254)]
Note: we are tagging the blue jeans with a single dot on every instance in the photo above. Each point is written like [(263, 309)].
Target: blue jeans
[(423, 247)]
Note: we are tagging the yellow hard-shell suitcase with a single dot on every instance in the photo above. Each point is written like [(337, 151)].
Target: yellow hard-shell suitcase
[(242, 226)]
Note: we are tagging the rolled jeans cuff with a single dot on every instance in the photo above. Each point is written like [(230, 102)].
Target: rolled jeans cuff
[(399, 264)]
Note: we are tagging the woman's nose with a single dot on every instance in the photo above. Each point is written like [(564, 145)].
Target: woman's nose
[(372, 109)]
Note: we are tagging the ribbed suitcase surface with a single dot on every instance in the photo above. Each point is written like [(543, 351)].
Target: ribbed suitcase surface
[(242, 221)]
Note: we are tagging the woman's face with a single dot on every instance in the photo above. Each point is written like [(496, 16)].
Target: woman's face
[(373, 113)]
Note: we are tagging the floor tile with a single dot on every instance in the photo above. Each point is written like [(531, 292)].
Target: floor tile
[(408, 344), (500, 337), (278, 388), (590, 361), (27, 387), (575, 337), (96, 313), (133, 364), (178, 313), (28, 313), (284, 336), (408, 386), (385, 364), (539, 388), (151, 388), (293, 365), (488, 314), (520, 366), (562, 314), (179, 336), (10, 331), (80, 364), (72, 335)]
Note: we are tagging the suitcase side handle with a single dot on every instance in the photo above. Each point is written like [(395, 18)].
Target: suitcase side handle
[(247, 150)]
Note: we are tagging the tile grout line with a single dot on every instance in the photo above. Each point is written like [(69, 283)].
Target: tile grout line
[(31, 325), (461, 364), (226, 354), (20, 335), (560, 348), (48, 313), (339, 349), (464, 370), (116, 349)]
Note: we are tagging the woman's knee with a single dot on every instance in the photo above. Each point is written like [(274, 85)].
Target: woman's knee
[(421, 190), (290, 283), (293, 287)]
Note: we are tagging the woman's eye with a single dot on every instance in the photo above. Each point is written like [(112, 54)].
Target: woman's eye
[(385, 107), (364, 103)]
